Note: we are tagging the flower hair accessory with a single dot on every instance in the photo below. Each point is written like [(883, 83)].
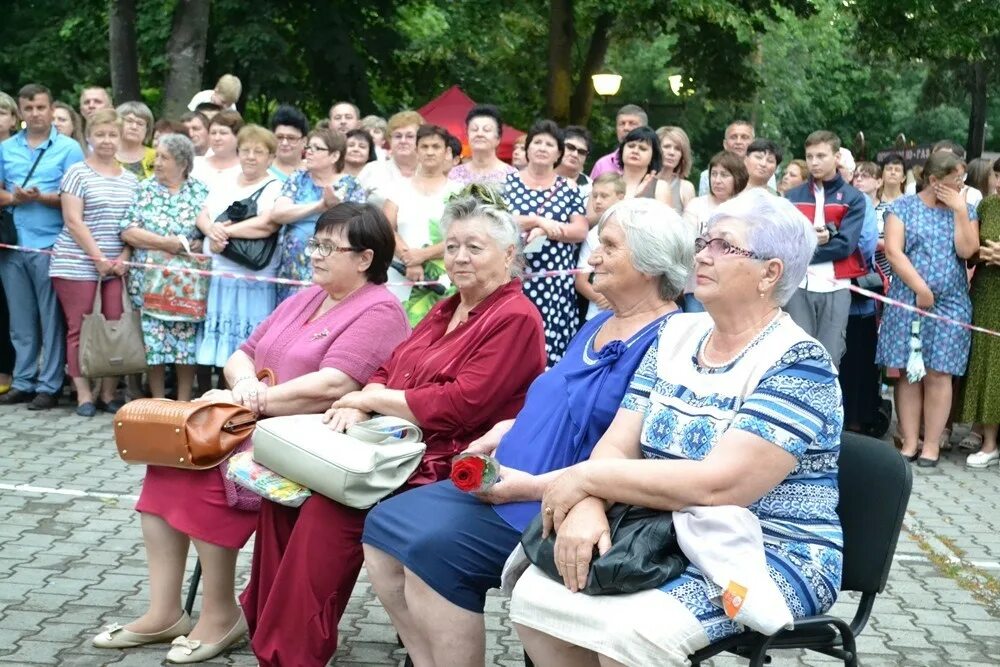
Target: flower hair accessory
[(484, 194)]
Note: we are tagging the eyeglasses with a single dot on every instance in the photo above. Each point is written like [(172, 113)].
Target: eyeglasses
[(582, 152), (720, 246), (253, 151), (326, 249), (287, 138), (314, 147), (132, 120)]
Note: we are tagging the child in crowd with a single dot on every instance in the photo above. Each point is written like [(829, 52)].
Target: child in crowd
[(608, 190)]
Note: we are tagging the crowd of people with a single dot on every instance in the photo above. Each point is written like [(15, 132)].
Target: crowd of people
[(708, 351)]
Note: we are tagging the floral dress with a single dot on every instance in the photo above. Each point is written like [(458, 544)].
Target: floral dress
[(929, 244), (157, 210), (555, 297), (301, 189)]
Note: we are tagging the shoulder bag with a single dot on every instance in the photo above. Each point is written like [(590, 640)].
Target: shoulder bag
[(8, 230), (255, 254), (195, 435), (357, 468), (644, 553), (176, 296), (112, 347)]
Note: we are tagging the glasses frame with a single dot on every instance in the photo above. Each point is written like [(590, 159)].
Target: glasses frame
[(724, 248), (313, 149), (326, 249), (570, 148)]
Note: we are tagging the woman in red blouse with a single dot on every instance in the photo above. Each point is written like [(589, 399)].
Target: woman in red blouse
[(466, 366)]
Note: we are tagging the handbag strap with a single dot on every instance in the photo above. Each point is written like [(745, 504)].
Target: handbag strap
[(31, 172), (384, 429), (256, 195)]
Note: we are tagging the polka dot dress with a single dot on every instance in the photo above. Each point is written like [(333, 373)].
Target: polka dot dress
[(555, 297)]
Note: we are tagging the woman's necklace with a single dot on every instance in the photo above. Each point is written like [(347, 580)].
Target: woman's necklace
[(759, 331)]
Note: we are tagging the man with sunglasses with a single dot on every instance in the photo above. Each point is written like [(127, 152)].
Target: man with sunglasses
[(577, 148)]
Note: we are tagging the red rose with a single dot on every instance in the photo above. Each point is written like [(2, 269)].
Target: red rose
[(467, 473)]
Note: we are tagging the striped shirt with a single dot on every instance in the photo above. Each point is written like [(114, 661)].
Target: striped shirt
[(782, 388), (105, 200)]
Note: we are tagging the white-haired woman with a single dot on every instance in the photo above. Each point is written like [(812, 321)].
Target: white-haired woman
[(738, 406), (454, 378), (135, 154), (432, 577)]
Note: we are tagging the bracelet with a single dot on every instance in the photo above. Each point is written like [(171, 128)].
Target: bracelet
[(241, 379)]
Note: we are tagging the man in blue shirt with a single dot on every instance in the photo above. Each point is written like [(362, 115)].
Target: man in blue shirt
[(36, 322)]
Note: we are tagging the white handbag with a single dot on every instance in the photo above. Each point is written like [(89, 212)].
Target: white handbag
[(357, 468)]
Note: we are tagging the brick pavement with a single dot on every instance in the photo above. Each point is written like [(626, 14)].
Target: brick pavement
[(70, 564)]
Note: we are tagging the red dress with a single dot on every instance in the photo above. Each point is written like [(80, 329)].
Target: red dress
[(354, 337), (458, 385)]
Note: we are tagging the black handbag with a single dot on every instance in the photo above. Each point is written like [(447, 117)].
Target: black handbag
[(644, 553), (254, 254), (8, 230)]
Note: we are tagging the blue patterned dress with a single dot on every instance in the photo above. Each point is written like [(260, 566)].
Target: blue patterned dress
[(929, 244), (301, 189), (783, 388), (556, 296)]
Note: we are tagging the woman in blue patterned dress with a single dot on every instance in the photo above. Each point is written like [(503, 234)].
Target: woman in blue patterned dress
[(305, 196), (738, 406), (165, 209), (546, 206), (928, 237)]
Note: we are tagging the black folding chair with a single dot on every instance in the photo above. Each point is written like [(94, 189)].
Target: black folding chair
[(193, 588), (875, 483)]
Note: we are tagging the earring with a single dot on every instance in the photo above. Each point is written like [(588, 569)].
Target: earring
[(762, 295)]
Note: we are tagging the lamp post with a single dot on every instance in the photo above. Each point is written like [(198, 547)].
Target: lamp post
[(607, 84)]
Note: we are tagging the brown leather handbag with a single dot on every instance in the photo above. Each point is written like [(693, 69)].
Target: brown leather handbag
[(195, 435)]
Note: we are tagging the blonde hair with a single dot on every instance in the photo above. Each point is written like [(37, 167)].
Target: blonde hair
[(229, 88), (104, 117), (255, 134), (680, 138), (612, 179), (403, 119), (7, 103)]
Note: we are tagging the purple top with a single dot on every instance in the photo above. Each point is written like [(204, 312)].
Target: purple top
[(606, 164), (356, 336)]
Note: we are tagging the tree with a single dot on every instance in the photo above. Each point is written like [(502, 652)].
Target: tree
[(123, 51), (185, 54)]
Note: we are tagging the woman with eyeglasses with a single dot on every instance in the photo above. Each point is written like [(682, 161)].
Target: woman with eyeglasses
[(290, 128), (928, 238), (483, 128), (381, 176), (735, 407), (306, 195), (454, 378), (135, 153), (321, 343)]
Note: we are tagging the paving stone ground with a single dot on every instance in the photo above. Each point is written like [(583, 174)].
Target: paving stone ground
[(70, 564)]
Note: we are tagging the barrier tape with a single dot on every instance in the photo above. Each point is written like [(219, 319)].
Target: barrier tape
[(410, 283)]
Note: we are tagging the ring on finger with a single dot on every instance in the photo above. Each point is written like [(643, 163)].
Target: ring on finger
[(548, 510)]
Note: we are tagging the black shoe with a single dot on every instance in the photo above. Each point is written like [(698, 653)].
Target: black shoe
[(87, 409), (43, 401), (111, 407), (15, 396), (926, 463)]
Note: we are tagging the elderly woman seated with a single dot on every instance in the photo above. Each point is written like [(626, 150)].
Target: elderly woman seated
[(466, 366), (737, 407), (432, 576), (321, 344)]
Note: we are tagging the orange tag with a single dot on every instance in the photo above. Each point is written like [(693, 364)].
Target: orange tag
[(732, 598)]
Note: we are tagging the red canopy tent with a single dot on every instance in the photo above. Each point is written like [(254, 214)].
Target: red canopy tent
[(449, 109)]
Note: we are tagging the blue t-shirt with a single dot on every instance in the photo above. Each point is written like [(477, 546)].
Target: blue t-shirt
[(569, 407), (38, 225)]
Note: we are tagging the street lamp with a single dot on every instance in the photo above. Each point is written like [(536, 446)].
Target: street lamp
[(676, 83), (607, 84)]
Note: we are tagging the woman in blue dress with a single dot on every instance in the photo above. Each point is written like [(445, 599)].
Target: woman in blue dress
[(928, 237), (549, 207), (736, 406), (305, 196), (437, 601)]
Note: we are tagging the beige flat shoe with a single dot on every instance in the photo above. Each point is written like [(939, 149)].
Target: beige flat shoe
[(184, 650), (116, 636)]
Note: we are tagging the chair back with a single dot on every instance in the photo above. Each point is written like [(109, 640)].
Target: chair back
[(875, 482)]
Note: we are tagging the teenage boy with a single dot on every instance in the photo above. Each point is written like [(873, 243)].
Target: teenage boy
[(608, 189), (762, 160), (837, 211)]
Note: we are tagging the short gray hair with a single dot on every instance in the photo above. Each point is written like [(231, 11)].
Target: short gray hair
[(659, 242), (775, 230), (500, 224), (633, 110), (142, 111), (181, 148)]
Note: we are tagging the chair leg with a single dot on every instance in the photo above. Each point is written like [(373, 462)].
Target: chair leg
[(193, 588)]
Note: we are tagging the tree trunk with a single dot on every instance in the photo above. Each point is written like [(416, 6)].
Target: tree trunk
[(583, 96), (185, 55), (561, 38), (124, 63), (976, 141)]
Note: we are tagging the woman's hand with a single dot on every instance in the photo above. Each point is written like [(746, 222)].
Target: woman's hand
[(561, 496), (514, 486), (218, 395), (585, 527), (119, 266), (536, 232), (415, 273), (104, 266), (925, 298), (251, 393), (330, 198), (217, 248), (355, 399), (644, 183), (489, 441), (341, 419), (989, 252), (950, 197), (218, 233), (413, 257)]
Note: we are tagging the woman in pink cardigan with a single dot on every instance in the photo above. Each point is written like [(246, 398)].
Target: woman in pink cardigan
[(322, 343)]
